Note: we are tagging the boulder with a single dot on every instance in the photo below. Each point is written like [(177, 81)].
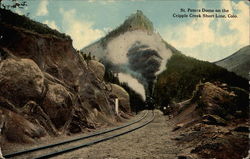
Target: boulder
[(87, 91), (123, 97), (34, 113), (20, 81), (18, 129), (58, 104), (96, 99), (212, 99), (98, 68)]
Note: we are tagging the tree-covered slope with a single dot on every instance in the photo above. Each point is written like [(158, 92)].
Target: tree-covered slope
[(9, 18), (182, 74)]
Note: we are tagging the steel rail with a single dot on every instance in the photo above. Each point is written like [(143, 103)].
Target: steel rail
[(18, 153), (56, 153)]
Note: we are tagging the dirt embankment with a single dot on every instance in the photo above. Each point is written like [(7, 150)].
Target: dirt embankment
[(214, 123)]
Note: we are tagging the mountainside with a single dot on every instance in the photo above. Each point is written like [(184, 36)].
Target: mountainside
[(183, 73), (239, 62), (46, 87), (162, 70), (134, 49)]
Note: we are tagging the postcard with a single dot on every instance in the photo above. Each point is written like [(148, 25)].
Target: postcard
[(124, 79)]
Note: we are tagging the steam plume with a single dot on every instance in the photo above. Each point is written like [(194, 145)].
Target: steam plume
[(132, 83), (140, 54)]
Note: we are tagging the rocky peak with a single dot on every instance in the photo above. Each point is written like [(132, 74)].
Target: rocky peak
[(138, 21)]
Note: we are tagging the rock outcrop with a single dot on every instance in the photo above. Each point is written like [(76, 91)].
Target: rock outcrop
[(219, 99), (46, 87), (18, 129), (97, 67), (210, 122), (58, 104), (20, 80)]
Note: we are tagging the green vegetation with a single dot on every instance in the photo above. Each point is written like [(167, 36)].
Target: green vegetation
[(134, 22), (136, 101), (183, 73), (10, 18)]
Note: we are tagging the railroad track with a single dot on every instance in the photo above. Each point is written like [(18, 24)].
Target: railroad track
[(84, 141)]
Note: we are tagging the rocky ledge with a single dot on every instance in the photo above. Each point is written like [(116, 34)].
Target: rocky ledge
[(214, 123)]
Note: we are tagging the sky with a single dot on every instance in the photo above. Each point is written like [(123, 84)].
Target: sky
[(208, 39)]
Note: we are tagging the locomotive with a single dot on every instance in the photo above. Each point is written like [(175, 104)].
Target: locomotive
[(150, 102)]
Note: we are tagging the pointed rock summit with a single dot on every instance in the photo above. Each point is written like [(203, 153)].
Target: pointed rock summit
[(138, 21)]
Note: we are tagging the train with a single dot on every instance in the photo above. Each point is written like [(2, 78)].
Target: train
[(150, 103)]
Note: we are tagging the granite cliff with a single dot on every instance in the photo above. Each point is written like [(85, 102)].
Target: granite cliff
[(46, 86)]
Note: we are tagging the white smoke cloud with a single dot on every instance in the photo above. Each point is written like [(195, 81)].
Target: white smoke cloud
[(118, 47), (132, 83)]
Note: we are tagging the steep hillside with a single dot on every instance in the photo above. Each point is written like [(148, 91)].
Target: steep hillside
[(183, 73), (134, 49), (239, 62), (48, 87)]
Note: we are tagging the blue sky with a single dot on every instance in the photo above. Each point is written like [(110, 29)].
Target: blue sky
[(207, 39)]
